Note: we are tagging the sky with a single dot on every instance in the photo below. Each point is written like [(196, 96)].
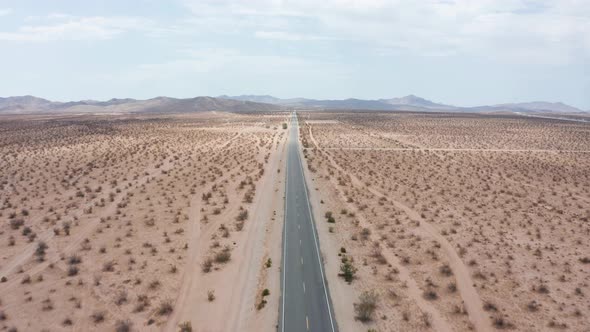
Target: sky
[(459, 52)]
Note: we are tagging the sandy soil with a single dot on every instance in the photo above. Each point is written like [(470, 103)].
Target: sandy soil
[(457, 222), (107, 221)]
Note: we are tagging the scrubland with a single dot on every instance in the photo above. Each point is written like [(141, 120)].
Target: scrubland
[(452, 221), (140, 222)]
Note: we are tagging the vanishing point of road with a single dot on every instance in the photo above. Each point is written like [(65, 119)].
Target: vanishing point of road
[(305, 300)]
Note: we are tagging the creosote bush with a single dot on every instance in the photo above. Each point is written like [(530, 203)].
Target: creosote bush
[(366, 306), (347, 270)]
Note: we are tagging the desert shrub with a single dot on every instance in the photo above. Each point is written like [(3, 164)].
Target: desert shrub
[(261, 304), (165, 308), (142, 302), (185, 327), (72, 270), (452, 287), (446, 270), (501, 323), (40, 251), (430, 294), (16, 223), (365, 233), (66, 227), (243, 215), (210, 295), (123, 326), (426, 319), (239, 226), (223, 256), (26, 279), (543, 289), (154, 284), (74, 259), (47, 305), (489, 306), (108, 266), (366, 306), (121, 298), (27, 230), (98, 317), (207, 265), (347, 270)]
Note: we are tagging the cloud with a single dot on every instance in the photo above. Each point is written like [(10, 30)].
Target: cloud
[(519, 31), (543, 31), (76, 28), (287, 36)]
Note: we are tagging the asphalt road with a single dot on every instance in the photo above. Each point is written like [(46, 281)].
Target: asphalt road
[(305, 300)]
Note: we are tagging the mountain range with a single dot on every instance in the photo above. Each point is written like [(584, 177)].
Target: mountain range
[(253, 103), (30, 104), (407, 103)]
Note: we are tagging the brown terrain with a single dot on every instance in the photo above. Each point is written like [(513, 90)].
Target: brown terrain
[(168, 222), (140, 222), (453, 222)]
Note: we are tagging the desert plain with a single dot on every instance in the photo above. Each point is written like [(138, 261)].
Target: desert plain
[(168, 222)]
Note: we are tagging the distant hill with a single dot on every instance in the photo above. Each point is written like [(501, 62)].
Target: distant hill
[(253, 103), (30, 104), (267, 99), (24, 102), (541, 106), (407, 103), (412, 100)]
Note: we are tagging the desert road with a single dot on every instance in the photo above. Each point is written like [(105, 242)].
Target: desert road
[(305, 301)]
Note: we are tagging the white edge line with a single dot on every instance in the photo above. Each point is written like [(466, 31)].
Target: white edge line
[(314, 230)]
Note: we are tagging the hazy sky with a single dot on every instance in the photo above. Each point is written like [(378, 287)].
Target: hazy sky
[(464, 52)]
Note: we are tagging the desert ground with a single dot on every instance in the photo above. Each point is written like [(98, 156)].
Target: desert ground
[(161, 222), (452, 222), (140, 222)]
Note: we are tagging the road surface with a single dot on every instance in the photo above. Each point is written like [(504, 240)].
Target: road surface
[(305, 300)]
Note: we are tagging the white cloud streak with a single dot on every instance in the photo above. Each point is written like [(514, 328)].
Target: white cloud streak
[(519, 31), (76, 28), (544, 31)]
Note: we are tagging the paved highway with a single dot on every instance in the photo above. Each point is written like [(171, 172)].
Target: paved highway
[(305, 301)]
